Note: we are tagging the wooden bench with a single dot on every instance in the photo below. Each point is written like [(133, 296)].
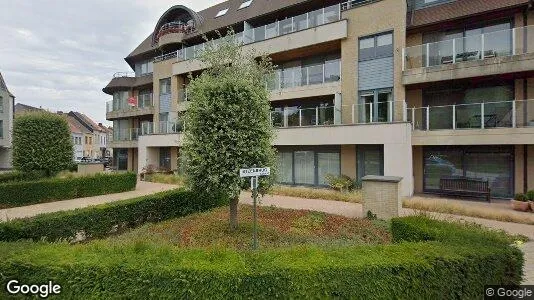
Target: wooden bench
[(465, 186)]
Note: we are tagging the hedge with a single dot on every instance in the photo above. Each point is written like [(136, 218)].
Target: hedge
[(426, 263), (20, 176), (20, 193), (102, 220)]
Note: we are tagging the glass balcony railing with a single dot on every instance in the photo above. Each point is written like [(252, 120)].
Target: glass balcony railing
[(163, 127), (130, 134), (330, 71), (141, 102), (501, 114), (382, 112), (305, 21), (519, 40)]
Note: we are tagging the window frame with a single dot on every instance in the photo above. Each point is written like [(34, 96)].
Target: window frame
[(375, 48)]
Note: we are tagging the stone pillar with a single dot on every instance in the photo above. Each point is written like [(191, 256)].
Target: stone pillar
[(382, 196)]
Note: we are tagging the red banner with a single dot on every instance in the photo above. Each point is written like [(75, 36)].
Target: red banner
[(132, 101)]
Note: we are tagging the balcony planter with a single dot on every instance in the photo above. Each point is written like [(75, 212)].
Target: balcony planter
[(520, 205), (520, 202)]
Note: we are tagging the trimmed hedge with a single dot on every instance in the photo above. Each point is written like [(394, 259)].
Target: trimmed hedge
[(447, 265), (102, 220), (20, 193), (20, 176)]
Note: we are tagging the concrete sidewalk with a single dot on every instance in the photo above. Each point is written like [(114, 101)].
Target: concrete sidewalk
[(143, 188)]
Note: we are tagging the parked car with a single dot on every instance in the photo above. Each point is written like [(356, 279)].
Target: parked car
[(86, 159)]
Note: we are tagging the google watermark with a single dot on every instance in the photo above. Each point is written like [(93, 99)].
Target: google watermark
[(13, 287), (509, 292)]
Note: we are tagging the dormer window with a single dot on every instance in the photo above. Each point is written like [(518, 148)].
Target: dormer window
[(245, 4), (221, 13)]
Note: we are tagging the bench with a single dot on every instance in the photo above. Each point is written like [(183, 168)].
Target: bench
[(465, 186)]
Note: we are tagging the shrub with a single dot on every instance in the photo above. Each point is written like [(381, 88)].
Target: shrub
[(20, 176), (102, 220), (341, 183), (530, 195), (41, 142), (53, 189), (438, 269), (521, 197)]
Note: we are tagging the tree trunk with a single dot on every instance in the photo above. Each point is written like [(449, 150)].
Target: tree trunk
[(233, 213)]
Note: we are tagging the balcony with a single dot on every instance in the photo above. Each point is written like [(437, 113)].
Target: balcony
[(120, 109), (124, 138), (127, 80), (503, 122), (183, 100), (312, 28), (163, 127), (300, 82), (356, 114), (499, 52)]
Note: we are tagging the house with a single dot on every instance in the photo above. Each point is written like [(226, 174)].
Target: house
[(95, 140), (7, 104), (420, 89)]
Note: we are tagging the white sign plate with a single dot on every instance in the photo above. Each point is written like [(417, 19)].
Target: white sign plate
[(254, 172)]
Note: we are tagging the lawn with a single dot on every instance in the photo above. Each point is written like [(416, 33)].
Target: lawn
[(277, 228)]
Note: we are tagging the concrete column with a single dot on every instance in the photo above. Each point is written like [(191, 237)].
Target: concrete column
[(174, 158), (382, 196), (530, 167), (337, 108), (398, 162), (519, 169), (418, 168), (348, 160)]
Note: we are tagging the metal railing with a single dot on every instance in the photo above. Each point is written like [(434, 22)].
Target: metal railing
[(329, 71), (123, 74), (354, 3), (379, 112), (518, 40), (130, 134), (143, 101), (162, 127), (497, 114), (301, 22)]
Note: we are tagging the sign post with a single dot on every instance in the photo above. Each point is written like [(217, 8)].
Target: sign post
[(254, 174)]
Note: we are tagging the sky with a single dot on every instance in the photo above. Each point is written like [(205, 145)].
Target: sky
[(59, 54)]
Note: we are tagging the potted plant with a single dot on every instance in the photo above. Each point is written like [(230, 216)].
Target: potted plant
[(520, 202), (530, 196)]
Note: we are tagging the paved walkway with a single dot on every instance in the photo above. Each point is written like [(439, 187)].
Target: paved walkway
[(354, 210), (143, 188)]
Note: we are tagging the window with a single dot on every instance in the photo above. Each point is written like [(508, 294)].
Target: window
[(221, 13), (285, 167), (146, 67), (377, 102), (1, 129), (245, 4), (328, 164), (1, 104), (370, 160), (165, 86), (378, 46), (165, 158)]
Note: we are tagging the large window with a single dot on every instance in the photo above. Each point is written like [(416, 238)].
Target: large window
[(492, 163), (165, 158), (120, 100), (308, 167), (120, 159), (146, 67), (145, 98), (376, 104), (370, 160), (377, 46)]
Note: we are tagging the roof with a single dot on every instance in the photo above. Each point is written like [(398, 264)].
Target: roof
[(233, 16), (3, 85), (23, 108), (74, 126), (81, 117), (459, 9)]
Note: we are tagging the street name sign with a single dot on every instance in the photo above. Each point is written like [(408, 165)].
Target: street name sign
[(253, 172)]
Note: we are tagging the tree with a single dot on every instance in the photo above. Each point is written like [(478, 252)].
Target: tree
[(41, 142), (227, 124)]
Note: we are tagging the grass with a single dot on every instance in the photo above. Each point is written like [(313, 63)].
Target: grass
[(317, 193), (165, 178), (277, 228), (468, 210)]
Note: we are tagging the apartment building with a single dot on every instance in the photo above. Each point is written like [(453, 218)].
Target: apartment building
[(421, 89), (7, 105)]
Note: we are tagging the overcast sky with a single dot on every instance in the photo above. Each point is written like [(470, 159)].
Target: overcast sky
[(59, 54)]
